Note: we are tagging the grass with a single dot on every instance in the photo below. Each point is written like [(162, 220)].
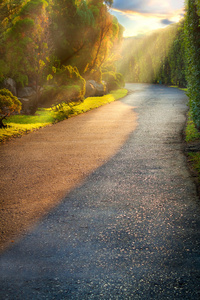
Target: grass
[(21, 124), (191, 132), (177, 87), (194, 158), (192, 135)]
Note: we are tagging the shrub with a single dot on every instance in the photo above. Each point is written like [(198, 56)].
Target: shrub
[(53, 95), (67, 86), (63, 110), (70, 76), (8, 105), (113, 80)]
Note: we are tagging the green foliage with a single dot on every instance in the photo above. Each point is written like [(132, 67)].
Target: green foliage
[(113, 80), (192, 41), (26, 44), (8, 105), (68, 86), (191, 132), (60, 41), (194, 158), (157, 57), (66, 110), (3, 70), (32, 8), (63, 110), (8, 11), (84, 34), (20, 124), (19, 28)]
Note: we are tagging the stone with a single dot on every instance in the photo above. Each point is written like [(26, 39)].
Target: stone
[(10, 85), (94, 89), (26, 92), (90, 89)]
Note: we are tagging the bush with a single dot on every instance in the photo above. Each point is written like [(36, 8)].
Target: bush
[(113, 80), (69, 76), (67, 86), (192, 40), (63, 110), (8, 105), (52, 95)]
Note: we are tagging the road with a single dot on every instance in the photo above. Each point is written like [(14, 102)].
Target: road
[(131, 230)]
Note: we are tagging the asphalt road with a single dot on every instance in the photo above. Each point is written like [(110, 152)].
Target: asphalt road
[(131, 230)]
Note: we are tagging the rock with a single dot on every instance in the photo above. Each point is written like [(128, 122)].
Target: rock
[(26, 92), (100, 91), (10, 84), (94, 89), (90, 89)]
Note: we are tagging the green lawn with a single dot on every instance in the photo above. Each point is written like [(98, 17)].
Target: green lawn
[(21, 124)]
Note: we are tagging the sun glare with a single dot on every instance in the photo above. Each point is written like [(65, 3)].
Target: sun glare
[(147, 63)]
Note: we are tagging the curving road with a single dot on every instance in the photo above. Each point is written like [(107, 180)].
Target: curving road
[(131, 230)]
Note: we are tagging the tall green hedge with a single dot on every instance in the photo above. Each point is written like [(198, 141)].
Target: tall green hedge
[(192, 42)]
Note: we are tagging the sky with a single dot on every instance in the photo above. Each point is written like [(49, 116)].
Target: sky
[(141, 16)]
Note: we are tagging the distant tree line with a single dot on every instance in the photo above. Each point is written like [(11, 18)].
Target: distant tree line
[(58, 44), (170, 56), (155, 58)]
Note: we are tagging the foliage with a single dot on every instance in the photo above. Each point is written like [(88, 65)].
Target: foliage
[(58, 43), (157, 57), (8, 105), (191, 132), (192, 40), (20, 124), (194, 158), (84, 33), (66, 110), (26, 44), (113, 80), (67, 86), (8, 10)]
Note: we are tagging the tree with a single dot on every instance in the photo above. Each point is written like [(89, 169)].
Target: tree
[(72, 32), (192, 31), (84, 32), (156, 57), (8, 9), (28, 45), (8, 105)]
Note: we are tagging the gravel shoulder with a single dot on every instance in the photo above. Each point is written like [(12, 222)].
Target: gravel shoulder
[(39, 169)]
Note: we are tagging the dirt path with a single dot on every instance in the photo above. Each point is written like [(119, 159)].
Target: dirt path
[(39, 169)]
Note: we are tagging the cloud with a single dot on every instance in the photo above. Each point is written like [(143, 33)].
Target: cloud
[(148, 6), (137, 5), (166, 22), (141, 16)]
